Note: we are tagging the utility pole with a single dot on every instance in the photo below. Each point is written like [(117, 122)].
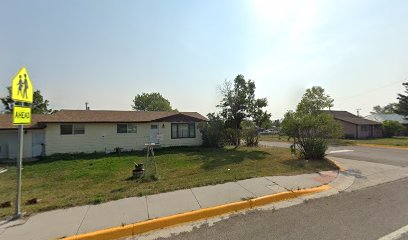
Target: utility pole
[(86, 106), (358, 112)]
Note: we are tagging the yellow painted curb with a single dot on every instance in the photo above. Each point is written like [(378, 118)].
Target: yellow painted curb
[(341, 168), (158, 223), (381, 146)]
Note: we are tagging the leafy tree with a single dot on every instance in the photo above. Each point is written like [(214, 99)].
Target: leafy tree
[(39, 105), (387, 109), (239, 103), (151, 102), (391, 128), (402, 107), (314, 100), (262, 119), (213, 131), (309, 127)]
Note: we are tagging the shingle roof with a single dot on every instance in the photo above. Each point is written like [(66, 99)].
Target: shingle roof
[(106, 116), (391, 116), (351, 118), (96, 116), (6, 121)]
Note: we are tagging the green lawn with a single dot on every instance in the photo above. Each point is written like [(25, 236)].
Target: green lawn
[(394, 141), (273, 138), (69, 180)]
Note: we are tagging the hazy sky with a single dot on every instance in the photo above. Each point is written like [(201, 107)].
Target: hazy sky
[(106, 52)]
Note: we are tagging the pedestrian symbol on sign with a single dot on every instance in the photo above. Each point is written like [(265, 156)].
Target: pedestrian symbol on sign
[(22, 88)]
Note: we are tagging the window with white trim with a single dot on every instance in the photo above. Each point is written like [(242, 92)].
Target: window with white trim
[(126, 128), (72, 129), (183, 130)]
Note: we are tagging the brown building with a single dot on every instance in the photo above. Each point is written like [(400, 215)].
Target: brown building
[(355, 126)]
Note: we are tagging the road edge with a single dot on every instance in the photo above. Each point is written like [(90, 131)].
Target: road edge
[(380, 146)]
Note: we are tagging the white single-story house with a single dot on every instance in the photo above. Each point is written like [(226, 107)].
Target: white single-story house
[(86, 131)]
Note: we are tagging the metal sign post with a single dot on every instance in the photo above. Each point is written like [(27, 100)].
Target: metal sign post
[(21, 92), (19, 167)]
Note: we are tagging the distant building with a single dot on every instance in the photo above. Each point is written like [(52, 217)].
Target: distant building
[(391, 117), (355, 126)]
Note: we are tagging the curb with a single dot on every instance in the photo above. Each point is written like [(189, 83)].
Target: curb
[(341, 169), (158, 223), (380, 146)]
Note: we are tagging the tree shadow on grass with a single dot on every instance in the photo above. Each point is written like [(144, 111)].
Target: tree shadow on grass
[(84, 156), (210, 157), (215, 158)]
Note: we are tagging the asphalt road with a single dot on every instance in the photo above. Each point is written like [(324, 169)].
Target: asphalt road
[(396, 157), (369, 213)]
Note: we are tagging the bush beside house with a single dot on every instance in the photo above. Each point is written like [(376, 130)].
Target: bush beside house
[(392, 128)]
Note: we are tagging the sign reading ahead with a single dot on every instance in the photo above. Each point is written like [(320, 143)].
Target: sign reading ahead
[(21, 115), (22, 88)]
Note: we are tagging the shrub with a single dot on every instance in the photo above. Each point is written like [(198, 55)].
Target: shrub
[(213, 131), (309, 126), (231, 136), (249, 133), (311, 132), (391, 128)]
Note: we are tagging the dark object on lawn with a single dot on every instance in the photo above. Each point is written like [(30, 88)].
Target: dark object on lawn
[(118, 150), (33, 201), (5, 204), (138, 171)]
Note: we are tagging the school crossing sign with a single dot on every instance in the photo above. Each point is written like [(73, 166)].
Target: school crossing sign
[(22, 92), (22, 88), (22, 95)]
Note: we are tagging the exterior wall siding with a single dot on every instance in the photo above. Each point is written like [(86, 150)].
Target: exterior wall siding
[(349, 129), (370, 131), (360, 131), (9, 144), (103, 137)]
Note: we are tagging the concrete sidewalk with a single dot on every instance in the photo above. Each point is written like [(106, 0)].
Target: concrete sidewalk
[(72, 221), (367, 174)]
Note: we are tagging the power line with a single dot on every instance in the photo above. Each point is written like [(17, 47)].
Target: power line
[(370, 91)]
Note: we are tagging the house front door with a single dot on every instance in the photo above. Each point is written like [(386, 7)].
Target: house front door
[(38, 143), (154, 132)]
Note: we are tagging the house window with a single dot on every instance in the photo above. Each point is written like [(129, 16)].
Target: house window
[(126, 128), (364, 128), (79, 129), (70, 129), (183, 130)]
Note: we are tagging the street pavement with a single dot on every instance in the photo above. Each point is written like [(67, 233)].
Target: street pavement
[(369, 213), (391, 156)]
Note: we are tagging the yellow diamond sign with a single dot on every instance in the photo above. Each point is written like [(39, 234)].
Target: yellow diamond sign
[(21, 115), (22, 88)]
